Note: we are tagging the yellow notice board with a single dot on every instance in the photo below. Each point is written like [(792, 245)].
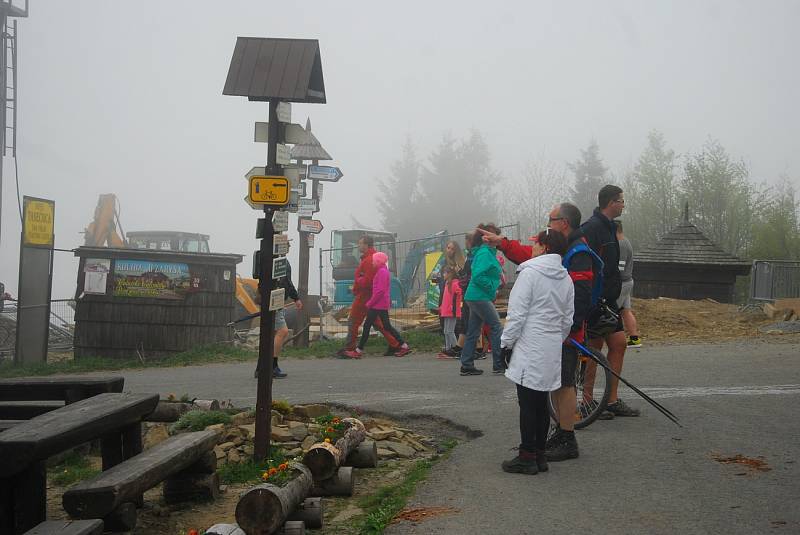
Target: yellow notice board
[(38, 217), (270, 190)]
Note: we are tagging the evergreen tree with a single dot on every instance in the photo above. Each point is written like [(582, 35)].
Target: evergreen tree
[(589, 178), (398, 192), (776, 236), (529, 200)]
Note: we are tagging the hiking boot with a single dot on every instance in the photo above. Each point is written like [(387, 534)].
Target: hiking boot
[(634, 341), (471, 371), (404, 350), (566, 447), (277, 373), (524, 463), (620, 408), (555, 433), (354, 354), (541, 461)]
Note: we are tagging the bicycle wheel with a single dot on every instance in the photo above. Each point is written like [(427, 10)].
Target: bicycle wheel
[(592, 394)]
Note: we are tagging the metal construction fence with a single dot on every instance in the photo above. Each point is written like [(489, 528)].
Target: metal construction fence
[(412, 263), (774, 279), (62, 327)]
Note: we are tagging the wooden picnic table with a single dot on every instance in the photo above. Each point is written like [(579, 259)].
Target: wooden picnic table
[(60, 388), (114, 418)]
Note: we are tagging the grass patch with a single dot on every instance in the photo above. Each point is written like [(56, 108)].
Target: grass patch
[(418, 340), (72, 469), (384, 505), (250, 471), (199, 420)]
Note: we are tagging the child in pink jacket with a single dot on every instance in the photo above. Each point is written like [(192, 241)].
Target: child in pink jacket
[(378, 307), (450, 310)]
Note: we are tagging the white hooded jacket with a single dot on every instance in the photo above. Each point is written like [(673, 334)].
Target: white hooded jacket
[(539, 318)]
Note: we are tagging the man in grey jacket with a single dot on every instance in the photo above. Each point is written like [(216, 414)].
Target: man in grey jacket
[(626, 275)]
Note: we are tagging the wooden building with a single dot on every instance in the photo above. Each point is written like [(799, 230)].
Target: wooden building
[(143, 303), (685, 264)]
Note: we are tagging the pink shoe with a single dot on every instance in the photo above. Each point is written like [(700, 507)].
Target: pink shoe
[(355, 354), (403, 351)]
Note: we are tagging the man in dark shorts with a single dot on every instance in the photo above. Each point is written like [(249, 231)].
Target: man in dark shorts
[(564, 218), (601, 234)]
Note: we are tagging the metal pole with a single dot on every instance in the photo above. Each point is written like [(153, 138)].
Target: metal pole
[(3, 101), (267, 323)]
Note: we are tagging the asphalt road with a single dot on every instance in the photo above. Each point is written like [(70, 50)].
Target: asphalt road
[(634, 475)]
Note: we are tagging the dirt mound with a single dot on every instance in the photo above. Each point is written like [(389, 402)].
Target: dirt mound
[(678, 320)]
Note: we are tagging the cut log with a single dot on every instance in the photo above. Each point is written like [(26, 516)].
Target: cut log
[(225, 529), (323, 459), (263, 509), (339, 485), (205, 404), (122, 519), (167, 411), (68, 527), (310, 512), (364, 456), (207, 464), (98, 496), (293, 528), (185, 486)]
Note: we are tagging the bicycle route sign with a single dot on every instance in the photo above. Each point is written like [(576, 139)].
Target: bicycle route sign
[(269, 190)]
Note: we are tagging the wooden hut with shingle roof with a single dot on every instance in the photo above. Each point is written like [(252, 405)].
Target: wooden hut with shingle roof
[(685, 264)]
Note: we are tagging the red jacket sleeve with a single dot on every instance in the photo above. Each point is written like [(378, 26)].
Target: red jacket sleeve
[(515, 251)]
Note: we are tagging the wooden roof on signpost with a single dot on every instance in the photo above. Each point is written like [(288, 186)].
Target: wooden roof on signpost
[(686, 244), (267, 68)]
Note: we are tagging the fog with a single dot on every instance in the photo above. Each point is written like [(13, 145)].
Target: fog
[(125, 97)]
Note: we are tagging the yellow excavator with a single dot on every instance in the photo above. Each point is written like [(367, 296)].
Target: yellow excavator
[(105, 230)]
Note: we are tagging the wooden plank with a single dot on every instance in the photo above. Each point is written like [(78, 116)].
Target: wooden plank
[(55, 387), (102, 494), (8, 424), (70, 426), (26, 410), (68, 527), (29, 490)]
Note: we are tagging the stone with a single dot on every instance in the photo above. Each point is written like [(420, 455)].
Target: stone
[(240, 418), (308, 442), (238, 441), (233, 456), (294, 452), (311, 411), (216, 427), (225, 446), (385, 453), (231, 434), (294, 423), (299, 432), (248, 450), (275, 422), (219, 452), (248, 430), (155, 435), (314, 428), (414, 443), (281, 434), (401, 449), (277, 416)]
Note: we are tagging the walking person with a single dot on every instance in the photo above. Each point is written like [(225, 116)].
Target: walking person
[(480, 296), (378, 307), (601, 235), (540, 311), (450, 311), (626, 289), (362, 290)]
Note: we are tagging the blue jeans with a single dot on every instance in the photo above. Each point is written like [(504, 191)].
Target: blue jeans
[(481, 312)]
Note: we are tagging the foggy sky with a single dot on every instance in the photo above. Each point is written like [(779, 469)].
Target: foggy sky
[(125, 97)]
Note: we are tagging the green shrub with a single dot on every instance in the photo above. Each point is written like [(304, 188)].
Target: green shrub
[(199, 420)]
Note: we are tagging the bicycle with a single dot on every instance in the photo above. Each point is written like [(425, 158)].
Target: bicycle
[(589, 406)]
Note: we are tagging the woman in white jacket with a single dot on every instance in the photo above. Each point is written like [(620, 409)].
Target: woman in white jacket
[(539, 319)]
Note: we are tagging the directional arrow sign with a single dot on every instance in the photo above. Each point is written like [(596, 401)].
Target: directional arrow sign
[(324, 173), (255, 171), (283, 155), (293, 133), (309, 225)]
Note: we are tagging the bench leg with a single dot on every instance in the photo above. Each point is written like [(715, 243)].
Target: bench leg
[(28, 498), (111, 450), (132, 446), (122, 519)]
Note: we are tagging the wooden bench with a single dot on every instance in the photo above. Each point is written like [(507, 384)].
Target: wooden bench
[(115, 418), (68, 527), (186, 462)]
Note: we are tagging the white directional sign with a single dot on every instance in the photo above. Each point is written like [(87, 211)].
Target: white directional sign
[(308, 204), (254, 171), (311, 240), (292, 172), (301, 189), (294, 200), (251, 205), (309, 225), (284, 156), (277, 298), (284, 112), (280, 244), (293, 133), (325, 173), (280, 221)]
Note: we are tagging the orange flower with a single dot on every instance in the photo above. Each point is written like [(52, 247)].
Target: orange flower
[(273, 471), (193, 532), (283, 466), (265, 476), (328, 441), (330, 430), (336, 420)]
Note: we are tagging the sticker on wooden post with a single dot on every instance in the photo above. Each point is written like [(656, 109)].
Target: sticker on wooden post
[(276, 299)]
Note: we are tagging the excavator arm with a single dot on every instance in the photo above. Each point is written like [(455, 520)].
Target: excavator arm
[(102, 231)]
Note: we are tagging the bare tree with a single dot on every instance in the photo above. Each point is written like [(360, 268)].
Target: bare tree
[(531, 197)]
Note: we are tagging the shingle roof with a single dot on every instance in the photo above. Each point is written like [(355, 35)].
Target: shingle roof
[(311, 150), (686, 244), (269, 68)]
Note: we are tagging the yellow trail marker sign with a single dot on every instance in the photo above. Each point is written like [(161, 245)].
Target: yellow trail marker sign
[(270, 190), (38, 222)]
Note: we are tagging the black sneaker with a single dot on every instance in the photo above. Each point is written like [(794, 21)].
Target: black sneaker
[(518, 465), (555, 433), (606, 415), (480, 355), (541, 461), (277, 373), (620, 408), (565, 448), (498, 371), (471, 371)]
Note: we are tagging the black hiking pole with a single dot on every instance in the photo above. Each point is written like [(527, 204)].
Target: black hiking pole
[(591, 353), (244, 318)]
